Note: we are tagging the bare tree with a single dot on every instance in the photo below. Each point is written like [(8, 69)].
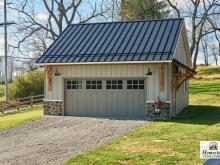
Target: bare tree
[(8, 23), (201, 14), (217, 36), (214, 53), (116, 10), (57, 15), (205, 45)]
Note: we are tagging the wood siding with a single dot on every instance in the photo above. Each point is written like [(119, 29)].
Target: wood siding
[(180, 98), (111, 71)]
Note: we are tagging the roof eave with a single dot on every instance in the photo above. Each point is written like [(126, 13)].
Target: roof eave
[(102, 63), (184, 66)]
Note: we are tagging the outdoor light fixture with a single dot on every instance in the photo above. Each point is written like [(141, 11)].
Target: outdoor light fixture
[(56, 73), (149, 72)]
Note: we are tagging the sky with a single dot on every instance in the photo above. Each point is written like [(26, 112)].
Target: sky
[(42, 16), (12, 16)]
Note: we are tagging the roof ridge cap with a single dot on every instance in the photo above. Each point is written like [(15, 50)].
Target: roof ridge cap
[(147, 20)]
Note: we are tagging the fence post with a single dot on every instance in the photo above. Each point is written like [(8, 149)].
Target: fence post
[(18, 104), (32, 99)]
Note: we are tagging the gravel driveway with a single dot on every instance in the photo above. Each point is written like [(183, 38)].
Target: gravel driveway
[(54, 140)]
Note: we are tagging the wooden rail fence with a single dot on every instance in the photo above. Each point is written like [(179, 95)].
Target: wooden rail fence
[(21, 103)]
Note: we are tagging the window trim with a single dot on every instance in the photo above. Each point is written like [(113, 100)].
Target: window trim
[(110, 84), (135, 84), (94, 84), (71, 83)]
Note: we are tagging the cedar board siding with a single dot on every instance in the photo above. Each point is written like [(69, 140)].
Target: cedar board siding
[(111, 71), (180, 98)]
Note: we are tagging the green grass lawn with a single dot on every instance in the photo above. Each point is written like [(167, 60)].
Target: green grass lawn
[(18, 118), (175, 141)]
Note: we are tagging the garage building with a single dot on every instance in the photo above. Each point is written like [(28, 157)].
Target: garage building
[(118, 69)]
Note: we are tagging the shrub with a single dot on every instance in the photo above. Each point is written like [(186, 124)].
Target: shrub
[(31, 83)]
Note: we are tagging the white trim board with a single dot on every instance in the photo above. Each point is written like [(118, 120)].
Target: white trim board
[(102, 63)]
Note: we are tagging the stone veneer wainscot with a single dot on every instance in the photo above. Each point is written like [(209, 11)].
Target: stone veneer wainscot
[(53, 107), (165, 110)]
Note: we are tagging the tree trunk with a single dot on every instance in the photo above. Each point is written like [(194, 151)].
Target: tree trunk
[(195, 57)]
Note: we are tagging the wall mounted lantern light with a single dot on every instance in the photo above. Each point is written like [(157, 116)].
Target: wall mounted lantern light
[(57, 73), (149, 73)]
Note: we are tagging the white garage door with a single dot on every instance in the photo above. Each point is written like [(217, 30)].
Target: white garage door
[(105, 98)]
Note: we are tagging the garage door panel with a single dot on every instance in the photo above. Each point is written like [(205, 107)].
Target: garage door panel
[(101, 103), (81, 108), (130, 103), (122, 107), (86, 104), (141, 101), (109, 103), (118, 100), (136, 110), (114, 103), (68, 104), (75, 103), (94, 102)]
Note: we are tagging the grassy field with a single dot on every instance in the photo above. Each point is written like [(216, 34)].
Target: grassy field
[(18, 118), (175, 141), (208, 72)]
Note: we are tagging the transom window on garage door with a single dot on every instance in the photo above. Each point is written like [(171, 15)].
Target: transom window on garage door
[(74, 84), (114, 84), (135, 84), (94, 84)]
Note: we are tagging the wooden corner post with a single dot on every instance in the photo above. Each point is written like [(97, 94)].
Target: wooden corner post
[(18, 104), (161, 74), (48, 70), (31, 101)]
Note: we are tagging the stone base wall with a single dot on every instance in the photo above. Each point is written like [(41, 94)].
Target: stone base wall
[(54, 108), (165, 112)]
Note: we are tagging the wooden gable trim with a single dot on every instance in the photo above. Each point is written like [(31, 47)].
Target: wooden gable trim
[(179, 64), (161, 74), (179, 76), (186, 45), (49, 76)]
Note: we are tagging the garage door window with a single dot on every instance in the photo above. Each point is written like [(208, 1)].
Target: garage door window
[(74, 84), (114, 84), (94, 84), (135, 84)]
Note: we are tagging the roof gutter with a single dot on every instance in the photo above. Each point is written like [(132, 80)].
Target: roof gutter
[(102, 63)]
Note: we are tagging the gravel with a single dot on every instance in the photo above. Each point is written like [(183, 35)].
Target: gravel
[(54, 140)]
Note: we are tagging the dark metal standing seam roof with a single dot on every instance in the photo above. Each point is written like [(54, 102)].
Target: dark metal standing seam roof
[(151, 40)]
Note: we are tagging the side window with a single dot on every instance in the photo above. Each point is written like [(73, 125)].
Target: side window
[(135, 84), (114, 84), (94, 84), (73, 84)]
